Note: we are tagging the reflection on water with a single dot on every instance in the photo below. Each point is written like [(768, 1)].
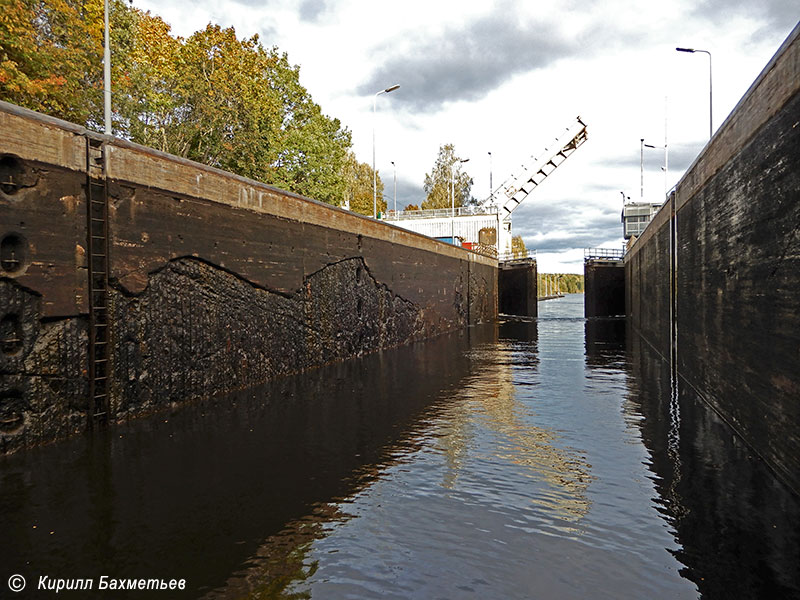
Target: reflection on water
[(739, 528), (528, 459), (488, 401)]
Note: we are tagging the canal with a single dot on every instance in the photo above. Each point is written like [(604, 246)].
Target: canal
[(549, 458)]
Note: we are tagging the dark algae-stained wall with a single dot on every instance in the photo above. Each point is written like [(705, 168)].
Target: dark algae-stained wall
[(214, 282), (604, 282), (517, 288), (732, 323)]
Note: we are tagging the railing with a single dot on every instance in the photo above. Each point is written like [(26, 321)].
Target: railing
[(525, 256), (607, 253), (485, 249), (441, 213)]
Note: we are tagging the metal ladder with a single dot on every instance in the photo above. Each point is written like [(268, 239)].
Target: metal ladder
[(97, 255)]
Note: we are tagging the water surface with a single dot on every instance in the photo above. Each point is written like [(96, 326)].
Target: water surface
[(548, 458)]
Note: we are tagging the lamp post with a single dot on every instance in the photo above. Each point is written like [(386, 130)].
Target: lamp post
[(391, 88), (394, 166), (666, 151), (106, 72), (710, 92), (491, 187), (641, 165), (453, 198)]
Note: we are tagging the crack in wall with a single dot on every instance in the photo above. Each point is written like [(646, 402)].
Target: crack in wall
[(222, 333)]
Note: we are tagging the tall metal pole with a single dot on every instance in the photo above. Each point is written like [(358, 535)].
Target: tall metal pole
[(491, 187), (641, 168), (106, 73), (394, 166), (710, 98), (453, 198), (710, 88), (374, 174), (666, 150), (452, 203), (641, 163)]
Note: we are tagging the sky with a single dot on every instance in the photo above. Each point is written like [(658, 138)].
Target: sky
[(508, 77)]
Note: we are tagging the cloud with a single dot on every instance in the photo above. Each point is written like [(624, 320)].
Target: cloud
[(312, 10), (681, 156), (776, 14), (467, 63), (408, 192), (309, 11), (559, 228)]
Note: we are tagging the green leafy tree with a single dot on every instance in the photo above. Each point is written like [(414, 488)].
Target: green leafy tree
[(243, 110), (566, 283), (358, 186), (213, 98), (145, 79), (437, 183)]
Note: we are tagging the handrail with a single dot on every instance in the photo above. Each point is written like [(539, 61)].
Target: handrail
[(611, 253), (524, 256), (459, 211)]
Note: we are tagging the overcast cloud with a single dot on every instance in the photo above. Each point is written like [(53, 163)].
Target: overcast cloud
[(465, 63), (312, 10), (774, 14), (506, 77)]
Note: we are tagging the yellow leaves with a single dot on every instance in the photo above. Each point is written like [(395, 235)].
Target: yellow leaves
[(210, 97)]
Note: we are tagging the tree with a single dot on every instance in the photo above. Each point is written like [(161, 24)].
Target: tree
[(213, 98), (518, 249), (146, 80), (566, 283), (437, 182), (358, 186), (50, 56), (411, 207)]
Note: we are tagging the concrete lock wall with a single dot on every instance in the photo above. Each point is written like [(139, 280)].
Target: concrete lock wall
[(604, 285), (735, 269), (216, 282), (517, 285)]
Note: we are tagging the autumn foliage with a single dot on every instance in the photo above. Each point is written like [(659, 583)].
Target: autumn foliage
[(214, 98)]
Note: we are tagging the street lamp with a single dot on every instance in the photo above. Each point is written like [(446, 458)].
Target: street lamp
[(491, 187), (453, 198), (391, 88), (710, 93), (394, 166), (641, 165)]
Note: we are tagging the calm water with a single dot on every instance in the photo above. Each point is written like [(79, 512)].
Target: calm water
[(543, 459)]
